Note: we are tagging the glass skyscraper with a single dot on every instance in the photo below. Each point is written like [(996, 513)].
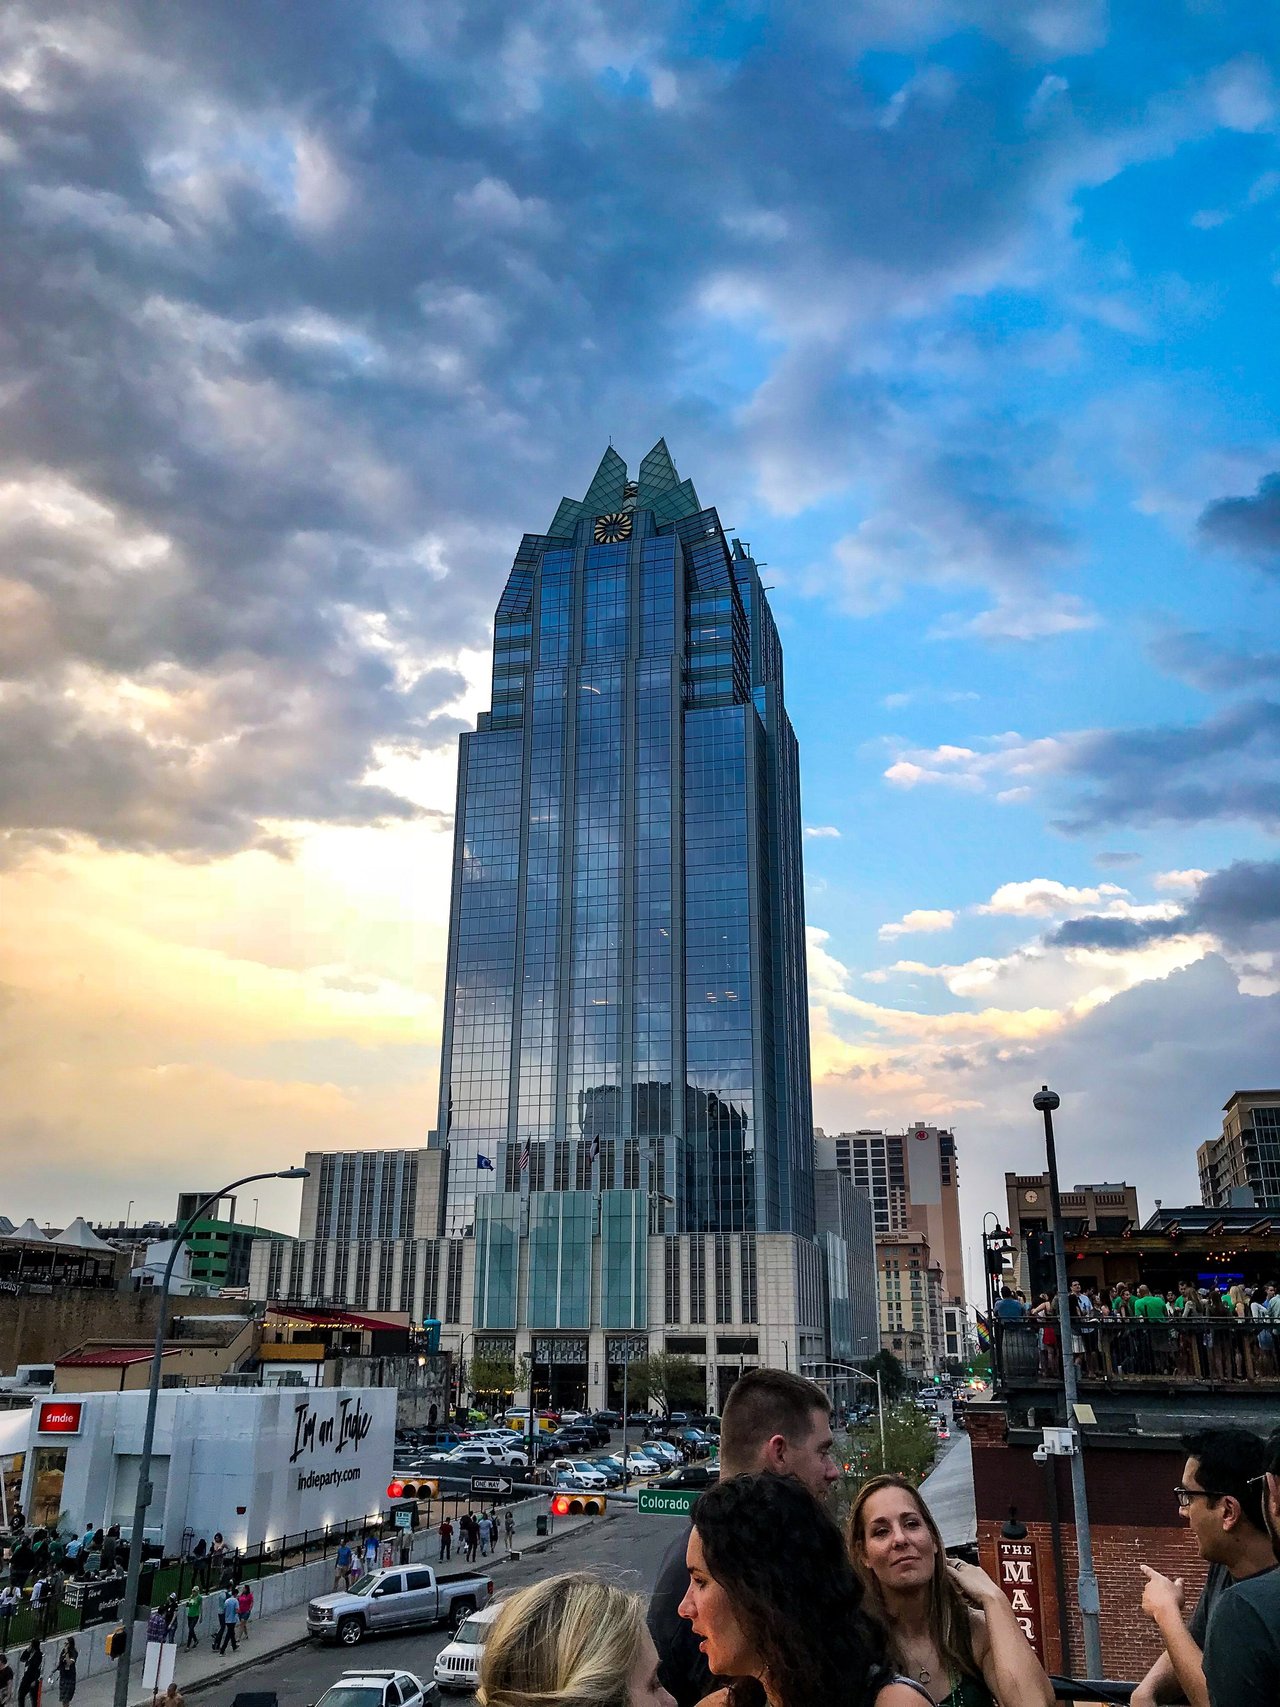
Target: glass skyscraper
[(626, 1044)]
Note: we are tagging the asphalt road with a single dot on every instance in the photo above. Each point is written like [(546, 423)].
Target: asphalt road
[(628, 1548)]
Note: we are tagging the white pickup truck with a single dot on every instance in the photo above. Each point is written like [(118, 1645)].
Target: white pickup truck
[(402, 1597)]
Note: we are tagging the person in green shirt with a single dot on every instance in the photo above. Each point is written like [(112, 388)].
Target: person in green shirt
[(1150, 1306), (195, 1605)]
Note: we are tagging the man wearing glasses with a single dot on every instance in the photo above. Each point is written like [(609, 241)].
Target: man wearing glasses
[(1220, 1496), (1242, 1653)]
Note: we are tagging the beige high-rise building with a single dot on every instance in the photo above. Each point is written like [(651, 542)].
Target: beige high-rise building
[(913, 1181), (1246, 1158)]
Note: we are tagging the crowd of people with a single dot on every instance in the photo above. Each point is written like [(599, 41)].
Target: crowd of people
[(1142, 1330), (767, 1602)]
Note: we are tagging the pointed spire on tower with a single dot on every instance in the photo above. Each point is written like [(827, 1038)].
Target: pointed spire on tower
[(606, 491), (657, 471)]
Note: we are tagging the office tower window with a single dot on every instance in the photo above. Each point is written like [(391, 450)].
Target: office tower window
[(697, 1280), (747, 1258)]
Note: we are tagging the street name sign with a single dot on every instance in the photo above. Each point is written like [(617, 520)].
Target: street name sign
[(492, 1484), (669, 1502)]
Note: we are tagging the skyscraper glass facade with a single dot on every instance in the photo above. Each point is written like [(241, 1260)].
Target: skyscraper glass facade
[(626, 1042)]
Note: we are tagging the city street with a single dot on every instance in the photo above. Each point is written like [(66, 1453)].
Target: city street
[(629, 1548)]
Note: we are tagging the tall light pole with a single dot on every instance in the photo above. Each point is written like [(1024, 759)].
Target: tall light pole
[(129, 1610), (1086, 1582)]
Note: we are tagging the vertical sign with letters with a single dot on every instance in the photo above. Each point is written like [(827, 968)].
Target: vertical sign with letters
[(1020, 1580)]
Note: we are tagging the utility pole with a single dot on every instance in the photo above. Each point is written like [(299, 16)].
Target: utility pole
[(1086, 1582)]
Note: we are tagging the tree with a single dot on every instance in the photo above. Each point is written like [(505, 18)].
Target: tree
[(910, 1445), (893, 1377), (668, 1377), (496, 1375)]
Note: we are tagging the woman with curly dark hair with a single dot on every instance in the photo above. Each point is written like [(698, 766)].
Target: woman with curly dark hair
[(777, 1605)]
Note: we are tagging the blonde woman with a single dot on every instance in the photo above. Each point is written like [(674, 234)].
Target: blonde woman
[(571, 1641), (948, 1626)]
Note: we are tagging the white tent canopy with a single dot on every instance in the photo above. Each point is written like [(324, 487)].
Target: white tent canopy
[(28, 1233), (80, 1236)]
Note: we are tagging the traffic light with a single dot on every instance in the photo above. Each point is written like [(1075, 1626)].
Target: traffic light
[(577, 1505), (115, 1643), (429, 1490), (395, 1490)]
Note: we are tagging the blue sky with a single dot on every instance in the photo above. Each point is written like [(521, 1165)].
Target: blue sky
[(962, 314)]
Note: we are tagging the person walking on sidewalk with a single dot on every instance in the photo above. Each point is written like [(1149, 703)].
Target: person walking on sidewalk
[(6, 1680), (230, 1618), (195, 1606), (67, 1671), (446, 1538), (244, 1605), (342, 1566), (32, 1662), (509, 1524)]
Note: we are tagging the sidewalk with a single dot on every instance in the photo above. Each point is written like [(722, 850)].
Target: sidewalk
[(280, 1632)]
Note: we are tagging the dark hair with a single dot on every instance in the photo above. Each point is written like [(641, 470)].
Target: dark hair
[(1273, 1454), (781, 1560), (1227, 1460), (762, 1403)]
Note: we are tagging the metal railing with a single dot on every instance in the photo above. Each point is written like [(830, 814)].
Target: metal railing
[(1193, 1351), (1071, 1689)]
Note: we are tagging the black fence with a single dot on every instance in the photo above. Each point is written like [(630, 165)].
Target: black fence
[(69, 1604), (1193, 1351), (1069, 1689)]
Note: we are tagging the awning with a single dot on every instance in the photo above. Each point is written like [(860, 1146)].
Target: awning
[(106, 1357), (303, 1317)]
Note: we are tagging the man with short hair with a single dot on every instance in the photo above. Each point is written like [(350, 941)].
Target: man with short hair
[(1242, 1652), (1220, 1496), (773, 1421)]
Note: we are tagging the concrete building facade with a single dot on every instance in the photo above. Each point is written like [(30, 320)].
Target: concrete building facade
[(913, 1181), (1246, 1157)]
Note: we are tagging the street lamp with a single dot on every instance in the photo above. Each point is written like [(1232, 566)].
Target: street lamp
[(129, 1610), (1086, 1582)]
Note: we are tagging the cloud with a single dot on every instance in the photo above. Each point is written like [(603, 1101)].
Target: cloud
[(822, 832), (1206, 662), (1236, 910), (1001, 760), (1223, 768), (1248, 526), (1039, 897), (1177, 880), (922, 919)]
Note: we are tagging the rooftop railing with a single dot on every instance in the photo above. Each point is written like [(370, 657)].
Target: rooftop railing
[(1191, 1351)]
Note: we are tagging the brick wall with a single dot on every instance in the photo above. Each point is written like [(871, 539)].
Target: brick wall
[(1130, 1641), (1134, 1520)]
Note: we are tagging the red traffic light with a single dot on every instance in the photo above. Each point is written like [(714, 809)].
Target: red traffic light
[(394, 1490), (577, 1505)]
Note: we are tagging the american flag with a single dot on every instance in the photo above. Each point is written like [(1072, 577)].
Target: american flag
[(524, 1158)]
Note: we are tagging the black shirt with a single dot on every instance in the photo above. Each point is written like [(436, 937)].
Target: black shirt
[(682, 1666), (1242, 1653)]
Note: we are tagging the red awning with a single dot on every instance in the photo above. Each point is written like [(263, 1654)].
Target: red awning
[(105, 1357), (309, 1318)]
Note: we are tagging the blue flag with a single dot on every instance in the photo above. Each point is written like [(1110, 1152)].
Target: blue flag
[(484, 1162)]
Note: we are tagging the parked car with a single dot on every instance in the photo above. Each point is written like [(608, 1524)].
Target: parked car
[(411, 1597), (610, 1468), (458, 1665), (570, 1440), (607, 1419), (570, 1476), (663, 1451), (643, 1465), (370, 1688), (640, 1419), (691, 1476), (483, 1453)]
